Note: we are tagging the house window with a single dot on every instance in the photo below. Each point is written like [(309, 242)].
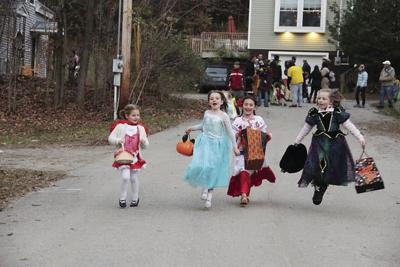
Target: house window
[(300, 15), (288, 13), (312, 13)]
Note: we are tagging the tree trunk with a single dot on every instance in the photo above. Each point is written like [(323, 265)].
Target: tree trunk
[(126, 53), (60, 43), (85, 53)]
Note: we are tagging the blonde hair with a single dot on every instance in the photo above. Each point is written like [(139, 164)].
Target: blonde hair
[(334, 96), (128, 110)]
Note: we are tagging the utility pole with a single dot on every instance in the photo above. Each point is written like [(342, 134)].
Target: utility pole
[(126, 52)]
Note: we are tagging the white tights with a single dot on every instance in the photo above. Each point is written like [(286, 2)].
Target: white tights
[(132, 176)]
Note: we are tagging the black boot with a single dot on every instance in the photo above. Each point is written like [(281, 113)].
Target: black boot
[(122, 203), (319, 191), (134, 203)]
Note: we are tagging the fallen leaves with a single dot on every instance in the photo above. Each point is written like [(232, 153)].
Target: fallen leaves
[(17, 182)]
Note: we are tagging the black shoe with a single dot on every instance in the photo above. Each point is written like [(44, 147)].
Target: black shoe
[(380, 106), (134, 203), (292, 106), (122, 203), (319, 192)]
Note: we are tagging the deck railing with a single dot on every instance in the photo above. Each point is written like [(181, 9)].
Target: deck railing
[(213, 41)]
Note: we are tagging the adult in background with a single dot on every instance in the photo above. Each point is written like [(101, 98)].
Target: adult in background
[(361, 86), (386, 78), (249, 73), (295, 74), (236, 81), (276, 70), (306, 77), (325, 75), (315, 79)]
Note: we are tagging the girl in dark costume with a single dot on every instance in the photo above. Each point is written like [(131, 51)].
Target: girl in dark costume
[(329, 160)]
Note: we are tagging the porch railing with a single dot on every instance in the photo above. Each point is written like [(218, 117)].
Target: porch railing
[(213, 41)]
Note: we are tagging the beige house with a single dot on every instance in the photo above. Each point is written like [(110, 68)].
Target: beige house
[(292, 28)]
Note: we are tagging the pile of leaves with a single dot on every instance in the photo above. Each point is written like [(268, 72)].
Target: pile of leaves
[(17, 182), (36, 121)]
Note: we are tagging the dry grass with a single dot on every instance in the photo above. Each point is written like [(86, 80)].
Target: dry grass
[(17, 182)]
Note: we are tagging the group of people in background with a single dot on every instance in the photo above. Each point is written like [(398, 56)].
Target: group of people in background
[(269, 84), (389, 85), (265, 80)]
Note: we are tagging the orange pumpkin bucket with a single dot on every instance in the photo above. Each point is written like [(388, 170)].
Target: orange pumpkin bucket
[(185, 147)]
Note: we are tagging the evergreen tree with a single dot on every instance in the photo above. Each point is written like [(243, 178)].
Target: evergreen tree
[(369, 32)]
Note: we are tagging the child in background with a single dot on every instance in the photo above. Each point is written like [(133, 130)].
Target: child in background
[(232, 109), (329, 160), (211, 164), (243, 179), (132, 136), (279, 93)]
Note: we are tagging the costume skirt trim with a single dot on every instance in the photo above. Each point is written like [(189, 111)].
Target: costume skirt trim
[(329, 161), (242, 182)]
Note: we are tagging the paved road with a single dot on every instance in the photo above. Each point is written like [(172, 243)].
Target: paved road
[(78, 223)]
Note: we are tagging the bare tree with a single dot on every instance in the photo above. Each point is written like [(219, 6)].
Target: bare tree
[(60, 43), (87, 47)]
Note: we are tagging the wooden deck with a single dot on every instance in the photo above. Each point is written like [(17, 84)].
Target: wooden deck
[(208, 43)]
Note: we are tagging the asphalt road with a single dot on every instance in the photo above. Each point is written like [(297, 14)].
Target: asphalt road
[(78, 222)]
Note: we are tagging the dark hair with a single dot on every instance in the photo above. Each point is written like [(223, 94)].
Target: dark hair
[(251, 98), (224, 105), (334, 95), (325, 64), (316, 68), (128, 110)]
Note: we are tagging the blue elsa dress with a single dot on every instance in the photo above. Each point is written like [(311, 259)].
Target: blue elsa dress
[(211, 165)]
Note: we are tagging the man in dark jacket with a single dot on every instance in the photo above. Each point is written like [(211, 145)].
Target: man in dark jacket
[(249, 73), (276, 70)]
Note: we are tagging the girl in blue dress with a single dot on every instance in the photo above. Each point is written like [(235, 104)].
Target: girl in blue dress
[(211, 165)]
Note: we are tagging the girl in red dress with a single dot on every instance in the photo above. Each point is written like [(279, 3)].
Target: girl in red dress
[(129, 135), (243, 179)]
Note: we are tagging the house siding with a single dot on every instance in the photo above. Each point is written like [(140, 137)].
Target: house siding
[(39, 53), (263, 37)]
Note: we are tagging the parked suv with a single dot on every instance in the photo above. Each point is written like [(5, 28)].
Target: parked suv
[(214, 77)]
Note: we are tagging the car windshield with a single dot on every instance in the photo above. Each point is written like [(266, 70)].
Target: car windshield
[(216, 71)]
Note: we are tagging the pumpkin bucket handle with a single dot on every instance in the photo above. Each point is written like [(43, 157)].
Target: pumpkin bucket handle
[(185, 137)]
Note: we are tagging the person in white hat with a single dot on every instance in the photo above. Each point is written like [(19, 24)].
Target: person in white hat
[(386, 78)]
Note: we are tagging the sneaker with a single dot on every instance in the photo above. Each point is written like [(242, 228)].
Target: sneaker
[(380, 106), (207, 204), (204, 194), (122, 203), (319, 192), (134, 203), (292, 106), (357, 106), (363, 106)]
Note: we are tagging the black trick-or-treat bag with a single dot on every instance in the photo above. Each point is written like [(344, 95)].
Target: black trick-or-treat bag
[(368, 177)]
